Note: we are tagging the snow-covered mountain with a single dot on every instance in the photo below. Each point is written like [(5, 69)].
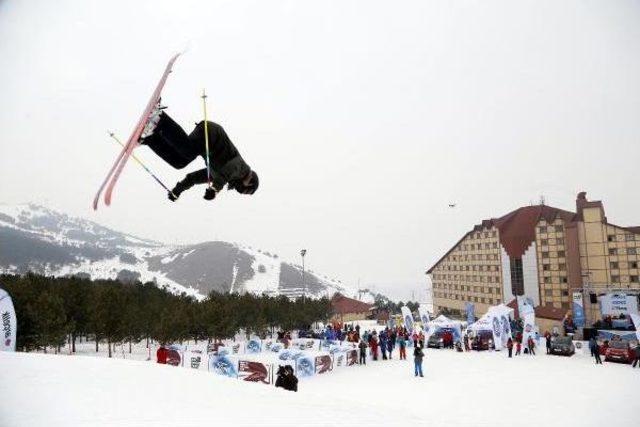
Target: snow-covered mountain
[(35, 238)]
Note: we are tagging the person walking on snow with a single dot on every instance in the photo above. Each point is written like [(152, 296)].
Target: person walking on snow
[(595, 350), (418, 354), (547, 337), (518, 347), (225, 164), (383, 344), (509, 345), (403, 346)]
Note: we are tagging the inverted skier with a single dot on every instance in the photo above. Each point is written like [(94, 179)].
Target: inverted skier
[(226, 166)]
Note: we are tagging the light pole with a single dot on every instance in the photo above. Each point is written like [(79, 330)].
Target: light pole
[(303, 252)]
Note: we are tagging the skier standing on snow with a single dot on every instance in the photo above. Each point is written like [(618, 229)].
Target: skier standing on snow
[(225, 164)]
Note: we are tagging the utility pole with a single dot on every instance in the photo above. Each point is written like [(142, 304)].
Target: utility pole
[(303, 252)]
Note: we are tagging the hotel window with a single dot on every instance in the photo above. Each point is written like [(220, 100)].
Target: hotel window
[(560, 254), (494, 245), (634, 265), (544, 242), (563, 279), (615, 279), (613, 251), (546, 267), (559, 241), (633, 279), (631, 251), (558, 228), (548, 292), (547, 280), (629, 237), (493, 234), (545, 254), (611, 238), (613, 265), (542, 229)]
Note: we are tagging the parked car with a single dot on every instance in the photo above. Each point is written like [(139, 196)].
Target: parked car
[(619, 351), (563, 346), (436, 340), (483, 341)]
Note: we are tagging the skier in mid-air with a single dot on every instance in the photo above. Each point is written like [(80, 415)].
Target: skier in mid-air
[(226, 166)]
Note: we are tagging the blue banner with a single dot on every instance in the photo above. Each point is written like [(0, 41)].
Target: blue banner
[(578, 310), (470, 308)]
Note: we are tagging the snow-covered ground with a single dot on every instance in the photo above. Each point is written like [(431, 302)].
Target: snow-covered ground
[(459, 389)]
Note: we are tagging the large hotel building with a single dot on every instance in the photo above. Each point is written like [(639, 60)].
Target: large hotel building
[(542, 252)]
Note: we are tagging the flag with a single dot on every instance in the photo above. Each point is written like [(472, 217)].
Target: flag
[(9, 322)]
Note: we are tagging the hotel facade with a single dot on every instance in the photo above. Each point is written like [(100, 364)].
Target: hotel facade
[(542, 252)]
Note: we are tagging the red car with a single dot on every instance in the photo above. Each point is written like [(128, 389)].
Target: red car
[(619, 351)]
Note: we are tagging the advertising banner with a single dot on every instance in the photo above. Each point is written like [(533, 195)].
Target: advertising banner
[(616, 304), (194, 359), (496, 328), (470, 310), (323, 364), (424, 315), (222, 365), (305, 367), (254, 372), (254, 346), (9, 322), (407, 317), (578, 310)]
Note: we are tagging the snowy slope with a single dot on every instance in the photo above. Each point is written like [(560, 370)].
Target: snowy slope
[(34, 238), (459, 389)]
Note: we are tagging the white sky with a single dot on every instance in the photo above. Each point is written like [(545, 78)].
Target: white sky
[(364, 119)]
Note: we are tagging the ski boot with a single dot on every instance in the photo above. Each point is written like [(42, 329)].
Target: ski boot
[(152, 121)]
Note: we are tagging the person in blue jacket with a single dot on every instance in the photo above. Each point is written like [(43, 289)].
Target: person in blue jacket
[(383, 344)]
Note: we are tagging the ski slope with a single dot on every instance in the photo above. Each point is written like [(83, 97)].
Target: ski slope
[(459, 389)]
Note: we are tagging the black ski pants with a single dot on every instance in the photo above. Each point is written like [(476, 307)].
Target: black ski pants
[(363, 358), (172, 144)]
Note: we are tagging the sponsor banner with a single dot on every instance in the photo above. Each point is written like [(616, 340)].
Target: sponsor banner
[(194, 359), (613, 304), (529, 328), (623, 335), (323, 364), (506, 329), (578, 310), (407, 318), (525, 306), (496, 328), (174, 356), (352, 357), (305, 367), (254, 346), (470, 310), (222, 365), (424, 315), (254, 371), (9, 322), (339, 359), (636, 322)]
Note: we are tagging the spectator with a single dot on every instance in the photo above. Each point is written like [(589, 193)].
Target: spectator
[(531, 345), (390, 343), (383, 344), (403, 346), (373, 343), (466, 342), (518, 347), (595, 350), (547, 338), (418, 354), (636, 361), (363, 352), (509, 345)]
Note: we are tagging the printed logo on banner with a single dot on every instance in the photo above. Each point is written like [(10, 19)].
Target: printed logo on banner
[(253, 346), (195, 361), (276, 347), (304, 367), (339, 359), (505, 325), (6, 327), (310, 344), (268, 344), (408, 322), (323, 364), (253, 372), (284, 355), (528, 328), (496, 327), (222, 366)]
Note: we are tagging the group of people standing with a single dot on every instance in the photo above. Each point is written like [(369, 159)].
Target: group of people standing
[(530, 345), (385, 342)]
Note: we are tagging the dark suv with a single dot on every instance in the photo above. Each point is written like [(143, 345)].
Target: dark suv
[(483, 341), (563, 346), (436, 340)]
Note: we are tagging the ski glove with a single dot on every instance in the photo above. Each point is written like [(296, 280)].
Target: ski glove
[(209, 194)]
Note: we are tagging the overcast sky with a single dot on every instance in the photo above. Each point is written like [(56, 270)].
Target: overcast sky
[(364, 119)]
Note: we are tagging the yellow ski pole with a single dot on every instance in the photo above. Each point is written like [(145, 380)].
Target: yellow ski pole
[(206, 137), (112, 135)]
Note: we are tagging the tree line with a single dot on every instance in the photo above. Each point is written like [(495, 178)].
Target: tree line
[(52, 311)]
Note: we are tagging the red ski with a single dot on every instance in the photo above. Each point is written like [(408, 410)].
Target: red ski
[(115, 171)]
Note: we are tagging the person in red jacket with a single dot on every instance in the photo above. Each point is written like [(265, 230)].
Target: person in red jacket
[(373, 343), (162, 354)]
